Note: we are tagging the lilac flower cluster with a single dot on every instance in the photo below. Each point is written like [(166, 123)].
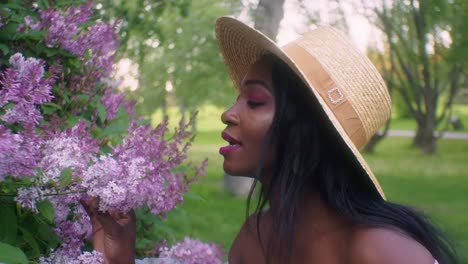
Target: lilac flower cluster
[(24, 87), (94, 45), (194, 251), (66, 31), (72, 149), (63, 29), (19, 153), (140, 172), (86, 257)]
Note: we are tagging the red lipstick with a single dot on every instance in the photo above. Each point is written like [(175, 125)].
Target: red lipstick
[(233, 144)]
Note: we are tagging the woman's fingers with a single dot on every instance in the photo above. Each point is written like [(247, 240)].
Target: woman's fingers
[(90, 205), (111, 220)]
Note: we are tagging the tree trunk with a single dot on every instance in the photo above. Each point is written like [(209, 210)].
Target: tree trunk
[(267, 16), (425, 138), (236, 185), (374, 140)]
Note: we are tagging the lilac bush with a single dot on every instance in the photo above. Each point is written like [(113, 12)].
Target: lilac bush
[(66, 134)]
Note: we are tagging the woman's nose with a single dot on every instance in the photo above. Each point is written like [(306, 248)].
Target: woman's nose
[(230, 117)]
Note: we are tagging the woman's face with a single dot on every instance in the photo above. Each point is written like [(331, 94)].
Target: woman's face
[(247, 123)]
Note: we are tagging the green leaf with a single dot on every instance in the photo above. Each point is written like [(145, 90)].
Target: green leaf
[(45, 233), (71, 120), (102, 112), (82, 97), (10, 254), (4, 48), (43, 4), (48, 108), (53, 105), (33, 34), (116, 127), (8, 31), (50, 52), (14, 6), (8, 224), (30, 240), (47, 210), (66, 177)]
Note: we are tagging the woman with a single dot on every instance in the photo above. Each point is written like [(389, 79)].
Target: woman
[(302, 112)]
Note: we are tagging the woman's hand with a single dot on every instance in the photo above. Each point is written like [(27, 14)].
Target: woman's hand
[(113, 233)]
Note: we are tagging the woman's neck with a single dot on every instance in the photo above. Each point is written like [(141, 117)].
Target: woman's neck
[(312, 211)]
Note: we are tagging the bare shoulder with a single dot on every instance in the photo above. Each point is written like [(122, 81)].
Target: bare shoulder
[(246, 247), (382, 245), (245, 234)]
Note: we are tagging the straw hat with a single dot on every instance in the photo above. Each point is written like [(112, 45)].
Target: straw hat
[(347, 85)]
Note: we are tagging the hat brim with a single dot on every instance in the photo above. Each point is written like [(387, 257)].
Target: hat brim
[(241, 46)]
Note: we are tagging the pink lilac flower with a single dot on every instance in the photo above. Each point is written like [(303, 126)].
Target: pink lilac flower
[(24, 87), (71, 242), (112, 101), (93, 257), (86, 257), (73, 234), (194, 251), (102, 41), (95, 46), (71, 149), (72, 231), (19, 153), (31, 23), (63, 29), (72, 223), (28, 197)]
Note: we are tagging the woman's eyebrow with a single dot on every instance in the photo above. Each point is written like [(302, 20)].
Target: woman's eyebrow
[(257, 82)]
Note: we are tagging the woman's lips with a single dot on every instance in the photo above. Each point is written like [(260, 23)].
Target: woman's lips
[(233, 144), (225, 150)]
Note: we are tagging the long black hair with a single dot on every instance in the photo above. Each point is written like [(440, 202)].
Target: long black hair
[(311, 155)]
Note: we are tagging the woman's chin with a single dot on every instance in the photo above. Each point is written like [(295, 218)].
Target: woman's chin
[(236, 171)]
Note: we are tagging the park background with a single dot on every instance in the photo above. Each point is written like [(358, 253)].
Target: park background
[(169, 63)]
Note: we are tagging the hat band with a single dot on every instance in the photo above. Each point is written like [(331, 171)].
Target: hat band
[(335, 98)]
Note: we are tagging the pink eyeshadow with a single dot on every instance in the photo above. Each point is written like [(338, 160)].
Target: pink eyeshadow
[(259, 96)]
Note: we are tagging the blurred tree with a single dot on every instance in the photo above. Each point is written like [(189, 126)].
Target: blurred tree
[(326, 12), (426, 66), (141, 32), (172, 44), (191, 59)]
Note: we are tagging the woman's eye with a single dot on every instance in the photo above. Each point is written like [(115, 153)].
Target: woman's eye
[(254, 104)]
